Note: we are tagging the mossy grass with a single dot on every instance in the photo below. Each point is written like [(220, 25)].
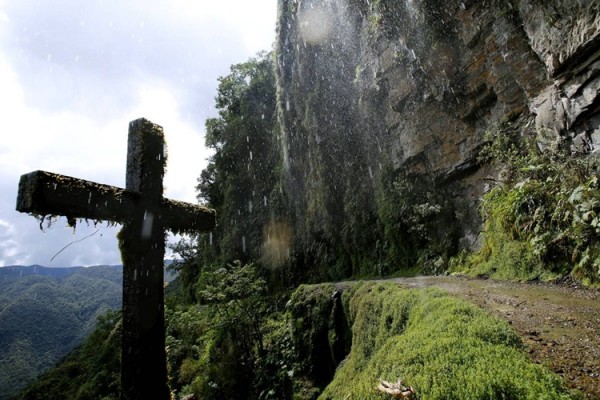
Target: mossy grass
[(444, 347)]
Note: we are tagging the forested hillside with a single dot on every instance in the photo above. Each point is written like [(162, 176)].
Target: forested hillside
[(45, 313)]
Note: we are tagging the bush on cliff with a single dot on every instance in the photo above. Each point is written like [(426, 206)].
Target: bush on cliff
[(542, 219)]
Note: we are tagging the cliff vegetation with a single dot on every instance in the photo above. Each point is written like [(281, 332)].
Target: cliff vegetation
[(324, 341)]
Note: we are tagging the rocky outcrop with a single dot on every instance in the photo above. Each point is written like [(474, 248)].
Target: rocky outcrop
[(366, 87)]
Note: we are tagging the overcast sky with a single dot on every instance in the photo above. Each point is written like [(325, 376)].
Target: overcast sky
[(74, 73)]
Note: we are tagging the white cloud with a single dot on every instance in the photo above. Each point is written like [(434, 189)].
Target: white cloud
[(86, 56), (8, 246), (73, 74), (6, 229)]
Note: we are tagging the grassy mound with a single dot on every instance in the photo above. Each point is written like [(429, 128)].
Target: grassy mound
[(444, 347)]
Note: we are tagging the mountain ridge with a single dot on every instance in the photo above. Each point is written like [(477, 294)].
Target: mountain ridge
[(36, 269)]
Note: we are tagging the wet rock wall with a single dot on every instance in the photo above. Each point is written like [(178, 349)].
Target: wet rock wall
[(369, 88)]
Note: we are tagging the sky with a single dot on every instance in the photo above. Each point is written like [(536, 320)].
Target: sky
[(74, 73)]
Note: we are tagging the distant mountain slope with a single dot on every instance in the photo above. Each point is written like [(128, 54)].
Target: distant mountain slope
[(45, 313)]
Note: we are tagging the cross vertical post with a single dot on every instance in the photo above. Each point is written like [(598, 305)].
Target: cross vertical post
[(142, 245)]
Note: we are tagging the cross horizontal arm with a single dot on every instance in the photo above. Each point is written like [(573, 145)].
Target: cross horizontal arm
[(178, 217), (46, 193)]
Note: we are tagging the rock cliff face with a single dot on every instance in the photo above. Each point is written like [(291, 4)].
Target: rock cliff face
[(369, 89)]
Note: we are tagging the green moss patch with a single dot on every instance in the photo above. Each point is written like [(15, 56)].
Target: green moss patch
[(442, 346)]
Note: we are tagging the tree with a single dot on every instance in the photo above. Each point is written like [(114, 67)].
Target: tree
[(242, 175)]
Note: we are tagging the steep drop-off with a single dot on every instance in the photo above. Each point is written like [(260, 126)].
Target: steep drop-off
[(384, 107)]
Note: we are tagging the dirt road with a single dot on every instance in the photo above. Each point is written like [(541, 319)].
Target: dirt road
[(560, 324)]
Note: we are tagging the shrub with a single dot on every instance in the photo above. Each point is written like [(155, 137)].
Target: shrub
[(542, 220)]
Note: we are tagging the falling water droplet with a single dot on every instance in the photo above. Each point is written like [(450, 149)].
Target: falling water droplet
[(147, 225), (244, 244), (265, 200), (55, 186), (210, 238), (287, 105), (370, 172), (250, 155), (249, 205), (135, 274), (90, 198)]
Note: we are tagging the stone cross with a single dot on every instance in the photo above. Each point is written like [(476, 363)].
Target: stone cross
[(145, 215)]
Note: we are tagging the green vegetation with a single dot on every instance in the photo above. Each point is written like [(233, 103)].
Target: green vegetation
[(234, 345), (320, 335), (325, 341), (89, 372), (225, 338), (542, 220), (45, 313), (419, 226), (443, 347), (241, 179)]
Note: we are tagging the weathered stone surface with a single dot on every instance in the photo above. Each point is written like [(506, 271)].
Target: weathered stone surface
[(415, 85)]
